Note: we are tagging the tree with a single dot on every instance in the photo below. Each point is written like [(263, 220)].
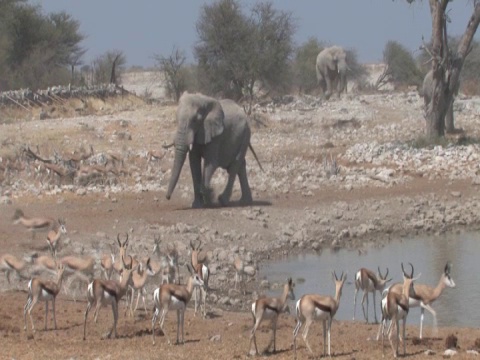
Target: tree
[(235, 51), (357, 72), (446, 65), (400, 67), (304, 65), (107, 68), (174, 72), (35, 48)]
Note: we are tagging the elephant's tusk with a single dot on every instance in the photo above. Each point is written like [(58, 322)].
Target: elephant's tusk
[(167, 146)]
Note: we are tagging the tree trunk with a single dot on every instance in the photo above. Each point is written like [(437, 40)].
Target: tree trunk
[(444, 87), (449, 120)]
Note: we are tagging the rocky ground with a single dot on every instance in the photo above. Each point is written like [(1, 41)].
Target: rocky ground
[(350, 173)]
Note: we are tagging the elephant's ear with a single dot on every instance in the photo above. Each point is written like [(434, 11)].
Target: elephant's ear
[(212, 124)]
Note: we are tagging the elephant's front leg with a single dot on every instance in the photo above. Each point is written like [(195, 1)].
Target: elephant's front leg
[(328, 82), (195, 160), (209, 167), (246, 198)]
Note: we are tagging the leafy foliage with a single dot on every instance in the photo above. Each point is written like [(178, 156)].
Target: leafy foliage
[(357, 71), (304, 65), (401, 68), (235, 51), (35, 49)]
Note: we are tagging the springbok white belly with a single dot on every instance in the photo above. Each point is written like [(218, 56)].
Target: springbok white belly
[(176, 304), (45, 295), (321, 315), (358, 282), (267, 313), (413, 302), (107, 298)]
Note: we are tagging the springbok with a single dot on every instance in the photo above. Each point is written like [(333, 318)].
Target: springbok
[(312, 307), (129, 260), (270, 308), (106, 263), (369, 282), (43, 290), (425, 295), (107, 292), (41, 263), (35, 224), (174, 297), (239, 266), (54, 235), (202, 270), (139, 280), (78, 268), (10, 263), (167, 264), (395, 307)]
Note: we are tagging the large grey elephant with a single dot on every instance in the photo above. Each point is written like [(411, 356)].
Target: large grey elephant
[(427, 90), (216, 131), (331, 67)]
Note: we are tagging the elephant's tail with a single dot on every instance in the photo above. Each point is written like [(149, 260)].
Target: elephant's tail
[(256, 157)]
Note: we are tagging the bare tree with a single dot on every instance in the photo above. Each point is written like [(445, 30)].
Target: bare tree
[(106, 67), (173, 69), (446, 65)]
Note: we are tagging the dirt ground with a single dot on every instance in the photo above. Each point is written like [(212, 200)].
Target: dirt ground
[(224, 334)]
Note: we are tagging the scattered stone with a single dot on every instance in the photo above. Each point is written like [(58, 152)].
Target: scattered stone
[(5, 200), (450, 352), (81, 192), (216, 338)]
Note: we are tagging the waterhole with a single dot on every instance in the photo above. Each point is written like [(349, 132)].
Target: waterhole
[(457, 306)]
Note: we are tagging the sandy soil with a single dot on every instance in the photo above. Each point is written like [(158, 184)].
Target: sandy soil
[(225, 332)]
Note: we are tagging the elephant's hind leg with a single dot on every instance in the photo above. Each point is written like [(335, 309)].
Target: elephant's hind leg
[(224, 198), (242, 176)]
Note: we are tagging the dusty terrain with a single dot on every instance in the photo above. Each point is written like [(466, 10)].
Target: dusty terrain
[(348, 173)]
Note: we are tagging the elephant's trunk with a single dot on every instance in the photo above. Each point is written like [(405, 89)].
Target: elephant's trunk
[(342, 78), (181, 150)]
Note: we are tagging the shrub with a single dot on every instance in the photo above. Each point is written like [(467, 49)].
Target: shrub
[(303, 67), (174, 71), (401, 68), (236, 51)]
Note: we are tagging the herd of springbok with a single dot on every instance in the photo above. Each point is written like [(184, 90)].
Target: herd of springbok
[(79, 167), (133, 273)]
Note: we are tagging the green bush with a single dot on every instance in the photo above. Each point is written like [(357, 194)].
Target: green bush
[(303, 67), (36, 50), (236, 51), (401, 68)]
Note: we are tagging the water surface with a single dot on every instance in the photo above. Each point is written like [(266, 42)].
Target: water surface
[(455, 307)]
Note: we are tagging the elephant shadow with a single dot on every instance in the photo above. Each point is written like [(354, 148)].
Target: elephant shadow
[(233, 204)]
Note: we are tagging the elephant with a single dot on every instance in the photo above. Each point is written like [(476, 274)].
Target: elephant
[(331, 67), (427, 89), (217, 132)]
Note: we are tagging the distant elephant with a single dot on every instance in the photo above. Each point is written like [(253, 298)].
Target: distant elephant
[(427, 89), (331, 67), (217, 132)]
